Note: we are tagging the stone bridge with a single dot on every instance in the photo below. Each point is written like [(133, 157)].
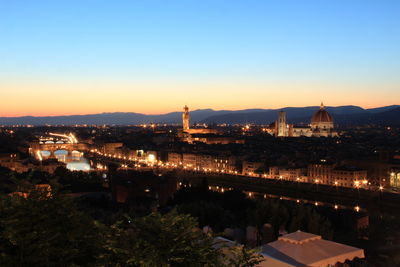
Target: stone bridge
[(55, 142), (34, 147)]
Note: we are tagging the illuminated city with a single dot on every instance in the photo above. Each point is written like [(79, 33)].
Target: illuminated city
[(243, 134)]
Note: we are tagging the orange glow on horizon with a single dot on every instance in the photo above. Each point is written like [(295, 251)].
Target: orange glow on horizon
[(58, 98), (50, 113)]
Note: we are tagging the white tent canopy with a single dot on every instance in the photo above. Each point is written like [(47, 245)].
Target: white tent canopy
[(305, 249)]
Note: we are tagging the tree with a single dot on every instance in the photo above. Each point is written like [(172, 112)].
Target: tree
[(240, 256), (45, 229), (305, 218), (208, 213), (159, 240)]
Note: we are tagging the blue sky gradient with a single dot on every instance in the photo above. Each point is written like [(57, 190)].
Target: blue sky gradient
[(219, 54)]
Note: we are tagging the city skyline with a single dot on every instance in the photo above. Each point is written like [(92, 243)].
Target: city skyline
[(257, 133), (63, 58)]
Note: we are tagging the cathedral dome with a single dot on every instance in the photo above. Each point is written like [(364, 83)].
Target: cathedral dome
[(321, 116)]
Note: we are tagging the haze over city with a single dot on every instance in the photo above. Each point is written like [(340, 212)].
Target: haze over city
[(85, 57)]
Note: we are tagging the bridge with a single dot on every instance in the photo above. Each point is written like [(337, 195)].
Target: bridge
[(53, 142)]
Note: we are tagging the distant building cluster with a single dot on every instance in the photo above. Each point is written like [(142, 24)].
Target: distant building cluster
[(318, 173), (203, 135), (230, 149), (321, 126), (203, 161)]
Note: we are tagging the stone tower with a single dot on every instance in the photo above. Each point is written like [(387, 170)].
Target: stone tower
[(185, 118), (282, 127)]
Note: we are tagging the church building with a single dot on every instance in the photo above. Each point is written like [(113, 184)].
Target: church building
[(321, 126)]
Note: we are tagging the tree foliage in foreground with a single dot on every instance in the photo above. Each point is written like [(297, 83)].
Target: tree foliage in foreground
[(160, 240), (46, 228), (240, 256)]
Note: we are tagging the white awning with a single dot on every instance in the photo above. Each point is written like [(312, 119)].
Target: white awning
[(305, 249)]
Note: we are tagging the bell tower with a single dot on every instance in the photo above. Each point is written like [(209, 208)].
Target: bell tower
[(282, 126), (185, 118)]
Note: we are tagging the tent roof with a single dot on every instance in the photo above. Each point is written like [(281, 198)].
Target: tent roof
[(305, 249)]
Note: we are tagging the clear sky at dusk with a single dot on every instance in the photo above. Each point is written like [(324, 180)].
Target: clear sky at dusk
[(81, 56)]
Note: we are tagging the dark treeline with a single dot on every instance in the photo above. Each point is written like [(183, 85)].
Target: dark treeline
[(48, 228)]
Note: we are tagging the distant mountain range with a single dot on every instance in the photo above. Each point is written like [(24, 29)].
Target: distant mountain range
[(343, 115)]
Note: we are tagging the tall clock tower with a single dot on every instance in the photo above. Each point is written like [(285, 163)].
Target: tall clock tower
[(185, 118)]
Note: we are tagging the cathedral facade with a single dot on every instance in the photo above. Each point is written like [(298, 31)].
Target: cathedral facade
[(321, 126)]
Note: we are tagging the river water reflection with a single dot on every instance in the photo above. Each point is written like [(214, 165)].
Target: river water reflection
[(257, 195), (75, 161)]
